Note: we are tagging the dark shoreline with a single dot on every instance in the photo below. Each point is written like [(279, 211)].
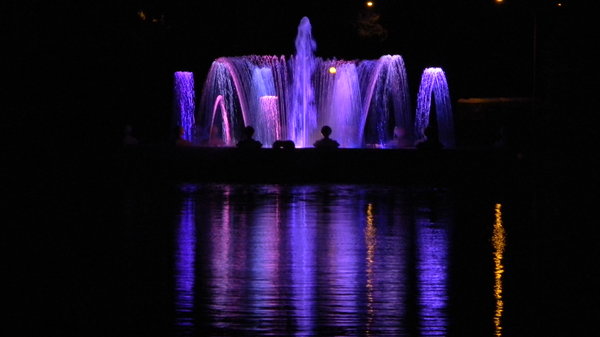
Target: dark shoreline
[(309, 165)]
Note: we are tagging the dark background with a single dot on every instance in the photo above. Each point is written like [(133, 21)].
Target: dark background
[(89, 68), (76, 72)]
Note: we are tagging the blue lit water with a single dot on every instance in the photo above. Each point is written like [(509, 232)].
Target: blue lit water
[(321, 260)]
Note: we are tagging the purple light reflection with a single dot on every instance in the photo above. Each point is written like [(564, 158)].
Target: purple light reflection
[(185, 257), (228, 263), (310, 260), (264, 265), (341, 266), (386, 269), (432, 276), (303, 268)]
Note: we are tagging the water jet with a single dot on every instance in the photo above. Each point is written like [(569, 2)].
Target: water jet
[(291, 98)]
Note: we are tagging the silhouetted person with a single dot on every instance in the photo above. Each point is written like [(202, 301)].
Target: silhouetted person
[(400, 139), (500, 139), (179, 140), (247, 141), (326, 142), (129, 139), (431, 141), (284, 145), (215, 139)]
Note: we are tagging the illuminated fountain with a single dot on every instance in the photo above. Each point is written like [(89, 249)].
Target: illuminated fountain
[(363, 101), (433, 83), (185, 102)]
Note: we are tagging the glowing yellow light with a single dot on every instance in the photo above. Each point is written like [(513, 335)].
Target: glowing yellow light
[(499, 243), (369, 3), (141, 15), (332, 70), (370, 234), (499, 1)]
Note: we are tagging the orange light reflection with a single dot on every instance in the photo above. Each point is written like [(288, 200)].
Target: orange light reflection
[(371, 241), (499, 243)]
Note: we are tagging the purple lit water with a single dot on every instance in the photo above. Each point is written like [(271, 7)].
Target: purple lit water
[(433, 83), (363, 101), (306, 260), (185, 101), (303, 122)]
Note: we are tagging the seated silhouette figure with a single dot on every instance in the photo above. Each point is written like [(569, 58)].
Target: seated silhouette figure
[(431, 141), (247, 142), (400, 139), (326, 142), (179, 140), (284, 145), (129, 139)]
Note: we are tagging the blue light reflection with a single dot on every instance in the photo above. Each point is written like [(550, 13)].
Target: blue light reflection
[(185, 257), (310, 260)]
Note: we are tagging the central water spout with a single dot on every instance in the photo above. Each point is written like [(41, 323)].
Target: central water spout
[(365, 102), (303, 106)]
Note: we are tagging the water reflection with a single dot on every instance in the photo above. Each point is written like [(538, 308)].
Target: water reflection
[(226, 259), (312, 260), (432, 270), (302, 236), (185, 257), (371, 241), (499, 242), (264, 241)]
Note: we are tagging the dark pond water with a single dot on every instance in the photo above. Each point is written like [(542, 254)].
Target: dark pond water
[(324, 260)]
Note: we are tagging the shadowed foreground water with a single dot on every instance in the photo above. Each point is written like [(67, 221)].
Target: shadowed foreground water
[(308, 260)]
